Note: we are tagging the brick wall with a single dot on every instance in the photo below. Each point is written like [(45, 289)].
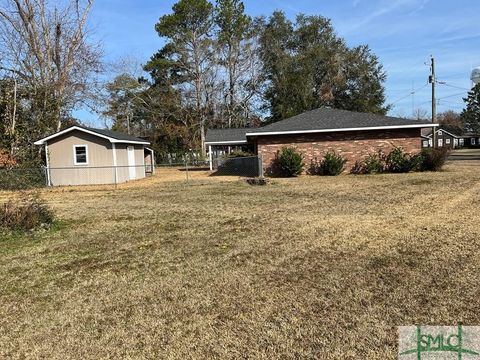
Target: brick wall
[(352, 146)]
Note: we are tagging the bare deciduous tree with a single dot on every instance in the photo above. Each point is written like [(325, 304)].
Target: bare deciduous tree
[(47, 45)]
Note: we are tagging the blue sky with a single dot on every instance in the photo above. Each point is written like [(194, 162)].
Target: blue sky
[(403, 34)]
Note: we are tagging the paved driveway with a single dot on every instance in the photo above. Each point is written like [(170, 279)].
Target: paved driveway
[(465, 154)]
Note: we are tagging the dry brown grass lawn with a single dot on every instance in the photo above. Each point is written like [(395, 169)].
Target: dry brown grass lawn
[(304, 268)]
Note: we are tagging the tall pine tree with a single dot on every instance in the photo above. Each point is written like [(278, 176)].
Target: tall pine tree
[(187, 55), (471, 114)]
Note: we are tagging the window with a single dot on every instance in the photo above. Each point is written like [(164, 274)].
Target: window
[(461, 142), (425, 143), (440, 142), (455, 142), (472, 141), (440, 133), (447, 141), (80, 155)]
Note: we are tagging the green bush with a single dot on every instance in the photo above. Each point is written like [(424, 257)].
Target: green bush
[(433, 159), (373, 164), (290, 162), (331, 165), (239, 154), (19, 178), (28, 213), (399, 162)]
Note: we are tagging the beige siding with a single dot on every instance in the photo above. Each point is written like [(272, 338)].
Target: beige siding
[(99, 169), (122, 162)]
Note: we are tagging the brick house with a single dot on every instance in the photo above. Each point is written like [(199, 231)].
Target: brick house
[(350, 134)]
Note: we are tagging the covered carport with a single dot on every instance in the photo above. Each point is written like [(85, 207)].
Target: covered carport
[(221, 142)]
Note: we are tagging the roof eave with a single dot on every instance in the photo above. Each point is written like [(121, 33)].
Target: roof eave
[(112, 140), (233, 142)]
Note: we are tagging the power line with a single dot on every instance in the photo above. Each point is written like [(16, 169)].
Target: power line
[(410, 94), (453, 86), (450, 96), (451, 102)]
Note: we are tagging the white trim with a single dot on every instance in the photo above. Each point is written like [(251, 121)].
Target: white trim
[(152, 154), (143, 167), (48, 165), (210, 157), (345, 129), (114, 152), (75, 154), (112, 140), (225, 142)]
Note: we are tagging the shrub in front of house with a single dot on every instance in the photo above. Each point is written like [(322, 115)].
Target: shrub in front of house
[(331, 165), (433, 159), (28, 213), (397, 161), (260, 181), (373, 164), (290, 162)]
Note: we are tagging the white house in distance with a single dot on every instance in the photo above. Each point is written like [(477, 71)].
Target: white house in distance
[(81, 155)]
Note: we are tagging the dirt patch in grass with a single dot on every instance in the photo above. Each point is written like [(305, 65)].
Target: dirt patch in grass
[(310, 268)]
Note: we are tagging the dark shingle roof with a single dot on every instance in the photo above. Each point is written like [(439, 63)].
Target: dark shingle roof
[(319, 119), (227, 135), (327, 118), (451, 129), (114, 134)]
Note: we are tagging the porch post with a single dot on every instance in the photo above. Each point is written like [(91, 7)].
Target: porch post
[(210, 157), (152, 160)]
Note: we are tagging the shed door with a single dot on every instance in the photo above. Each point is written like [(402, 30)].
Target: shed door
[(131, 163)]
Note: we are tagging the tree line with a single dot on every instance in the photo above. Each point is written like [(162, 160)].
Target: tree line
[(218, 68), (221, 68)]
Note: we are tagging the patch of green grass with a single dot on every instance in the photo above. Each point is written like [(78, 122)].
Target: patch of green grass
[(17, 240)]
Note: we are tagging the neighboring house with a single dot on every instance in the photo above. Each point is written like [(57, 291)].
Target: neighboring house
[(350, 134), (81, 155), (450, 137)]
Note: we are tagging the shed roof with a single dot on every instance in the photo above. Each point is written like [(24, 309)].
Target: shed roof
[(112, 136)]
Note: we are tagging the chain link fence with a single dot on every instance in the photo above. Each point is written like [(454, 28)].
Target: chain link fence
[(184, 169), (249, 166), (22, 178)]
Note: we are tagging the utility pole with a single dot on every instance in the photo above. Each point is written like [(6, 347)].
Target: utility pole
[(432, 79)]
